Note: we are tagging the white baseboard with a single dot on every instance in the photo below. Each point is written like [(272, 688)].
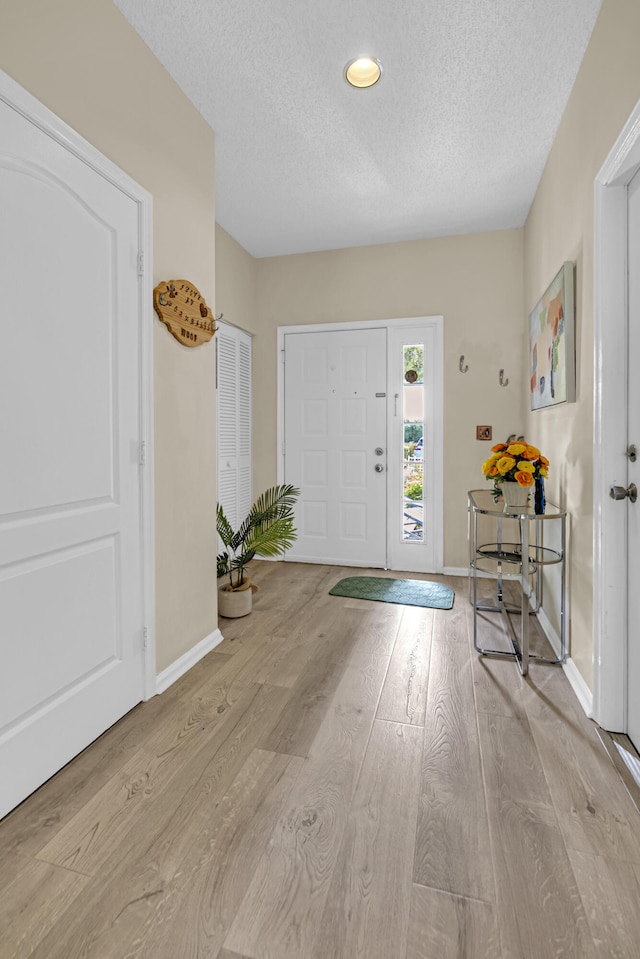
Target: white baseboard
[(578, 685), (455, 571), (184, 663), (548, 630), (573, 674), (576, 680)]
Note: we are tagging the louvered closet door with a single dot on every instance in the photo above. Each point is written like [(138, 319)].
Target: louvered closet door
[(234, 422)]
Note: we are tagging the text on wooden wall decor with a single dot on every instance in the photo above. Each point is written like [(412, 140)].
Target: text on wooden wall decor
[(184, 311)]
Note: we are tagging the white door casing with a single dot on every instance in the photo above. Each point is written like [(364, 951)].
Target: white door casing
[(611, 381), (633, 468), (76, 528), (335, 419), (427, 556)]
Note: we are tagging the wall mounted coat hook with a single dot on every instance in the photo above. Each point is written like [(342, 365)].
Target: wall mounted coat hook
[(503, 382), (462, 366)]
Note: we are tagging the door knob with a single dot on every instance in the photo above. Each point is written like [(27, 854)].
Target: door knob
[(378, 467), (619, 492)]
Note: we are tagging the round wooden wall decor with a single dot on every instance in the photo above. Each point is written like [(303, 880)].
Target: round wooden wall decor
[(184, 311)]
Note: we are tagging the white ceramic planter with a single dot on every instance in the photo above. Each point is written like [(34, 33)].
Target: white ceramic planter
[(514, 494), (237, 602)]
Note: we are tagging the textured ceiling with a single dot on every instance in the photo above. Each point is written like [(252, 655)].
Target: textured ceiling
[(453, 139)]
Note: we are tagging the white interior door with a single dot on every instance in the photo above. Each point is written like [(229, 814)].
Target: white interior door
[(335, 444), (633, 476), (71, 595)]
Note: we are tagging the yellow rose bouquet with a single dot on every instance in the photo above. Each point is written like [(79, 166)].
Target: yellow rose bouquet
[(515, 463)]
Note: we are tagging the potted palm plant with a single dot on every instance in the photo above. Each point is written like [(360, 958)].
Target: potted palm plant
[(267, 530)]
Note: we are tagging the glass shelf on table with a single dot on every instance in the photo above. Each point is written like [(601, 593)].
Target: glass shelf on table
[(484, 501), (512, 553), (501, 567)]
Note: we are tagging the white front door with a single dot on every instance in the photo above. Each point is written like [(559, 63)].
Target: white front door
[(633, 475), (71, 596), (335, 444), (365, 446)]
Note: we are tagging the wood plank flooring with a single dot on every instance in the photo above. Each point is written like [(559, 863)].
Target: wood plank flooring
[(339, 779)]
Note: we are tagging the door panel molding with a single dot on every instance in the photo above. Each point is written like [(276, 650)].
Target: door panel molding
[(610, 428)]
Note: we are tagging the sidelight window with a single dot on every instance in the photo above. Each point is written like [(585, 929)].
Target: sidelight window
[(413, 446)]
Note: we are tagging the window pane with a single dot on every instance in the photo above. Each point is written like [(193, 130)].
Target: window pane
[(413, 464)]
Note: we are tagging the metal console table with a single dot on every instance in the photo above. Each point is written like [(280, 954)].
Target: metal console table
[(525, 558)]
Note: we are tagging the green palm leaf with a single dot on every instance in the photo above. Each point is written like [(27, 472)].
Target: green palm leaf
[(275, 539), (223, 527), (267, 530)]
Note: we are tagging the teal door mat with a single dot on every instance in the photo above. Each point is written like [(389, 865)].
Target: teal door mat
[(410, 592)]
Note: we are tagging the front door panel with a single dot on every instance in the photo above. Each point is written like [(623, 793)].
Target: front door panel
[(335, 421)]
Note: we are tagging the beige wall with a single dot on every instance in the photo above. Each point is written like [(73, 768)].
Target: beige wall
[(236, 278), (83, 60), (559, 228), (474, 281), (89, 66)]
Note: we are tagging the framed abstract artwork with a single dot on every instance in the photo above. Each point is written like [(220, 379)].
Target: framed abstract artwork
[(552, 355)]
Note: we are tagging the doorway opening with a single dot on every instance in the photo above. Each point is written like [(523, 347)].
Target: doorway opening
[(360, 423), (615, 272)]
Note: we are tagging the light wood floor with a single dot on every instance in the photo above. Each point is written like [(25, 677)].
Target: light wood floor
[(339, 779)]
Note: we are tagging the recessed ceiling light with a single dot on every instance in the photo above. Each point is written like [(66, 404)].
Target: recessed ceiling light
[(363, 72)]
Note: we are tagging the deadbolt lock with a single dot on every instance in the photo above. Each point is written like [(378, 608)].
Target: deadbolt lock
[(379, 451)]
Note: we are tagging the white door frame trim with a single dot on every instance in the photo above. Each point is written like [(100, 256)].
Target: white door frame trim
[(437, 323), (36, 113), (610, 428)]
